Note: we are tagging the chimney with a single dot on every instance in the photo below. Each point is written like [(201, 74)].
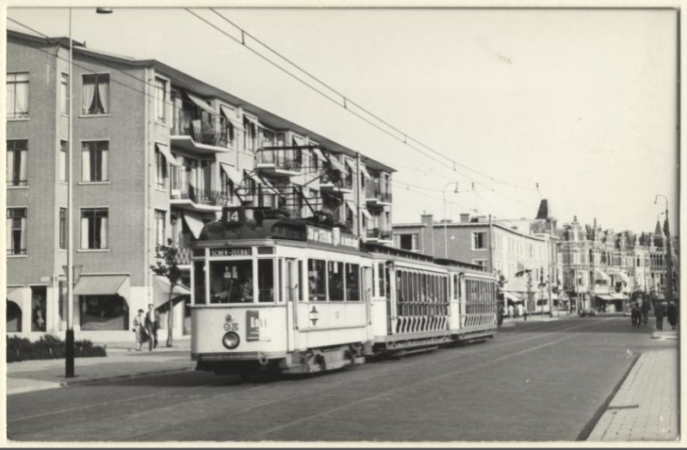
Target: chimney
[(465, 217), (427, 219)]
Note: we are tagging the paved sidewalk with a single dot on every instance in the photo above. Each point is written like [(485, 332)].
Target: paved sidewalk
[(645, 408), (121, 362)]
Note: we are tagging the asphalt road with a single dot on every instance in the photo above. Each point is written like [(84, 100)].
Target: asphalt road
[(538, 381)]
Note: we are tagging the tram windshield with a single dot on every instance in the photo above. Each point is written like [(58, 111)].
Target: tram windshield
[(232, 281)]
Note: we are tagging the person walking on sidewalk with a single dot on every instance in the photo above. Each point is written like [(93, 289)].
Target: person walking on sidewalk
[(659, 312), (139, 323), (152, 323), (672, 314)]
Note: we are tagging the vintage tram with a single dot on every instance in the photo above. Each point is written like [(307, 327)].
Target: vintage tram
[(296, 296)]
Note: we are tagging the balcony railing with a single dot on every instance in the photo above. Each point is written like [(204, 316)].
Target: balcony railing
[(200, 196), (377, 233), (372, 191), (343, 183), (286, 160), (182, 256), (202, 131)]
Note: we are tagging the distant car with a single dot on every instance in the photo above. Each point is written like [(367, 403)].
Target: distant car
[(587, 312)]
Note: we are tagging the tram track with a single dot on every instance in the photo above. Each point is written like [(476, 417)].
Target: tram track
[(272, 391)]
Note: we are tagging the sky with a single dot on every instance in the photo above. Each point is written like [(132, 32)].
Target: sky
[(575, 106)]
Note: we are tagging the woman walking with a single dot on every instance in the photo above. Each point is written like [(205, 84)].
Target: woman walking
[(139, 329)]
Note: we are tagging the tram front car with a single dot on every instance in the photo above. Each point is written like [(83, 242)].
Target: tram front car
[(278, 295)]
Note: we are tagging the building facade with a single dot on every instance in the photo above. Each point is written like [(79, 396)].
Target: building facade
[(156, 155), (523, 258)]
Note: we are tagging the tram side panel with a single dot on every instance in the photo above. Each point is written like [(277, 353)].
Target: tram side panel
[(477, 306)]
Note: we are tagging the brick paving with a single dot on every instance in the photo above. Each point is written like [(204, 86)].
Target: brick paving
[(645, 408)]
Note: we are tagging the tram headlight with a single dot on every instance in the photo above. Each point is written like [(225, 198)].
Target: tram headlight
[(231, 340)]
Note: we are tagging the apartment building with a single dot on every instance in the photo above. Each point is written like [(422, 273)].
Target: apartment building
[(157, 154), (523, 258)]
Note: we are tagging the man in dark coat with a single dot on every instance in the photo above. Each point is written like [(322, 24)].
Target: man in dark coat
[(672, 314), (152, 323), (659, 312)]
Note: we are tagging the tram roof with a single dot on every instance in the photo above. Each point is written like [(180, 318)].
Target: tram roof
[(463, 264)]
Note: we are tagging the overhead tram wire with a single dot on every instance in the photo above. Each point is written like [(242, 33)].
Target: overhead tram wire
[(345, 99)]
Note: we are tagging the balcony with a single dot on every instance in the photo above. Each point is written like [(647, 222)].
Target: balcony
[(332, 183), (376, 196), (379, 235), (199, 135), (201, 200), (279, 162), (182, 256)]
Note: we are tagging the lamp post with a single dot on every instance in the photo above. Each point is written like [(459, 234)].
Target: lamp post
[(69, 338), (443, 191), (669, 254)]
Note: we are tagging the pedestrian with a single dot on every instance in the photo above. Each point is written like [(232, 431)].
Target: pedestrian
[(510, 311), (139, 329), (499, 314), (659, 312), (520, 310), (152, 323), (672, 314)]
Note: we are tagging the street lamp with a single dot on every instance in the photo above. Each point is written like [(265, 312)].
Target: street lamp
[(69, 340), (443, 191), (669, 254)]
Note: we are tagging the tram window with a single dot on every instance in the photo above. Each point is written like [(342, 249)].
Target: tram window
[(352, 282), (199, 282), (380, 279), (299, 280), (316, 280), (265, 280), (336, 281), (231, 281)]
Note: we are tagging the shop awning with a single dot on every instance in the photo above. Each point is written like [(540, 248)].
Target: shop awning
[(623, 276), (233, 175), (265, 182), (298, 141), (168, 155), (227, 112), (512, 297), (202, 104), (600, 274), (366, 214), (252, 120), (194, 222), (351, 165), (336, 165), (365, 173), (102, 285), (161, 287), (607, 297), (319, 154)]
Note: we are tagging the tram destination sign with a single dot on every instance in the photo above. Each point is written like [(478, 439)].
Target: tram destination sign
[(333, 238), (230, 251)]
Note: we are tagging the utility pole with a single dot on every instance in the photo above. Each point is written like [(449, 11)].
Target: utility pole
[(445, 219), (669, 253)]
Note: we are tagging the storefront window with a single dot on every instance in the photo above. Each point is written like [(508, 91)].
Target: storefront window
[(352, 282), (231, 281), (316, 280), (13, 319), (103, 312), (38, 321), (336, 281)]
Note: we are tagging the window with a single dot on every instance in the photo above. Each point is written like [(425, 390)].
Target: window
[(250, 134), (353, 282), (479, 240), (38, 308), (94, 228), (63, 228), (160, 221), (265, 280), (226, 186), (64, 163), (95, 96), (17, 95), (336, 281), (17, 152), (64, 94), (316, 280), (160, 99), (16, 231), (160, 169), (231, 281), (408, 241), (103, 312), (94, 157)]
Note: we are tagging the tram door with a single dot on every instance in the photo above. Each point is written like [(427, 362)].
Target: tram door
[(291, 290)]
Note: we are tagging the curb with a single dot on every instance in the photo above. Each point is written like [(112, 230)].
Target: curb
[(93, 381)]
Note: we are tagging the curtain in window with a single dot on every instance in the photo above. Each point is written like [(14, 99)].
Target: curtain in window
[(10, 247), (84, 232), (104, 93), (10, 100), (86, 163), (104, 162), (22, 99), (10, 168), (22, 234), (88, 95), (103, 231), (22, 166), (63, 162)]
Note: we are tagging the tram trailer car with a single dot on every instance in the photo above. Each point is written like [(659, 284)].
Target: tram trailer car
[(287, 295)]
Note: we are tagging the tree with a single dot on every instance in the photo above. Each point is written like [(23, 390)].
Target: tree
[(167, 266), (502, 281)]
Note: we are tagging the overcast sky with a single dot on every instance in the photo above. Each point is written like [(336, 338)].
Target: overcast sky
[(584, 103)]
